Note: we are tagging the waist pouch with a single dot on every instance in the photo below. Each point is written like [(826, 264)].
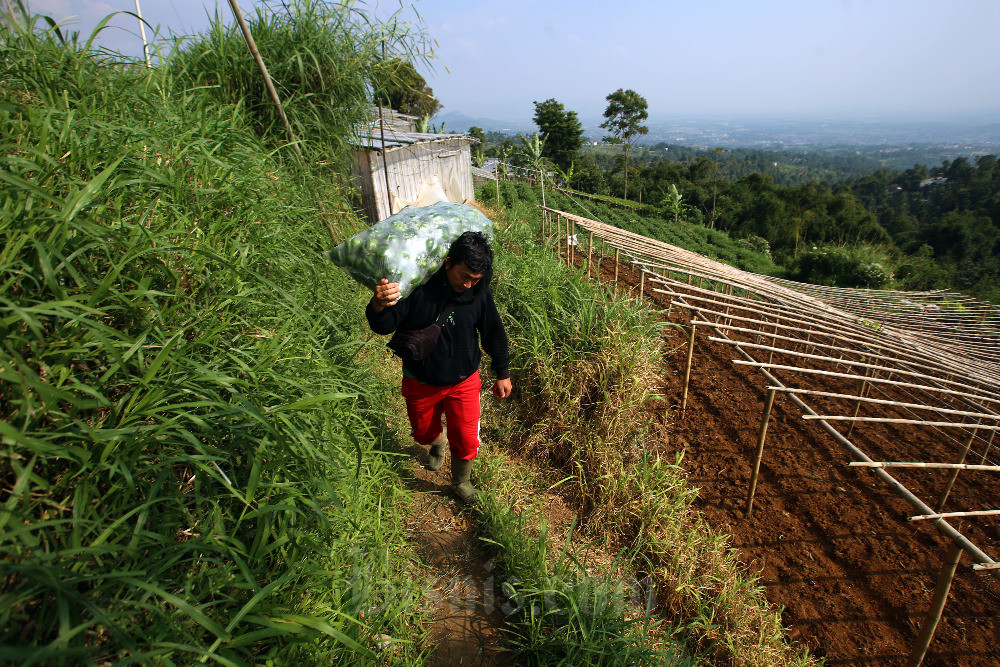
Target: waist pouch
[(417, 344)]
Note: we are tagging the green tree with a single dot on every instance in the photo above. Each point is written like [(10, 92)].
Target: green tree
[(624, 115), (478, 157), (673, 202), (533, 150), (397, 84), (561, 130)]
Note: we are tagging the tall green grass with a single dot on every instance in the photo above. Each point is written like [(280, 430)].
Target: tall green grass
[(320, 55), (562, 610), (193, 465), (586, 364)]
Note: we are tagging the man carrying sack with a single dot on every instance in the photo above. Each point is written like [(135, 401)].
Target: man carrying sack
[(437, 332)]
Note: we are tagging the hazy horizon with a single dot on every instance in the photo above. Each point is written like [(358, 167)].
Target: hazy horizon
[(908, 60)]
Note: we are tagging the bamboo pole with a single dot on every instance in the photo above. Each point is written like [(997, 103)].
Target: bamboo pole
[(617, 264), (954, 475), (590, 254), (687, 369), (950, 515), (142, 32), (861, 395), (10, 12), (945, 578), (921, 464), (642, 282), (759, 454), (988, 446), (770, 355), (558, 235), (385, 162), (895, 420), (263, 70), (600, 256), (572, 245), (986, 566)]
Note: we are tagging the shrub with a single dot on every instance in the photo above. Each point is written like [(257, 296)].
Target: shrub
[(840, 267)]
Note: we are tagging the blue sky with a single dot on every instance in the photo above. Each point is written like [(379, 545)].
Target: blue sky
[(911, 59)]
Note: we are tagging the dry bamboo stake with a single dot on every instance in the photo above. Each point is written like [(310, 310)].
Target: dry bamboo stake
[(729, 292), (947, 575), (990, 566), (759, 454), (642, 282), (988, 446), (600, 256), (921, 464), (687, 370), (10, 11), (569, 242), (573, 244), (590, 253), (770, 355), (558, 239), (861, 395), (949, 515), (618, 255), (954, 475), (895, 420), (385, 162), (267, 77), (142, 30)]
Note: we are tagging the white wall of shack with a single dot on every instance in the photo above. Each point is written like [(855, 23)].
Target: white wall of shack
[(409, 167)]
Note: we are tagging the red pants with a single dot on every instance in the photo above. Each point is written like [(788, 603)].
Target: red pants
[(459, 403)]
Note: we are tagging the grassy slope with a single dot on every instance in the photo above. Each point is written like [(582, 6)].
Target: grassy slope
[(193, 458)]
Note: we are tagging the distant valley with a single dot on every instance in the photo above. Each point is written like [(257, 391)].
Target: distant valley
[(896, 144)]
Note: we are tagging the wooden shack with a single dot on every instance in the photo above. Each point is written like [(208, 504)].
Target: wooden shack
[(390, 149)]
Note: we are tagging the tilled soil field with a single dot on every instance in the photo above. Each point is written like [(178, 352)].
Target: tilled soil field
[(831, 543)]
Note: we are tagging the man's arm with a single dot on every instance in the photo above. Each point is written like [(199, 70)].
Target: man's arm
[(494, 338), (385, 310)]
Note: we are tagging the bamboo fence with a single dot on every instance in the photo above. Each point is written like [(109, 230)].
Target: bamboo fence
[(940, 350)]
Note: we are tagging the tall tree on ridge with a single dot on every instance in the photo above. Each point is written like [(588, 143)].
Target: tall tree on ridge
[(399, 86), (561, 130), (624, 115)]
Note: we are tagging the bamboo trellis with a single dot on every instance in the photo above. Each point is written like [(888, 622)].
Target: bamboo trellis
[(940, 350)]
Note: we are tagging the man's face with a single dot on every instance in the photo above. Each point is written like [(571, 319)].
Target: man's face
[(460, 277)]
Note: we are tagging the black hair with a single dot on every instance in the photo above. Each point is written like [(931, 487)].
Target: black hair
[(474, 249)]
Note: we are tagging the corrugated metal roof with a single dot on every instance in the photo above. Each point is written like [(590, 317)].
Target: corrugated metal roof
[(371, 137), (479, 172)]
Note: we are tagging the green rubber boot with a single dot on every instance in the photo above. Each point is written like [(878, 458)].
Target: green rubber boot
[(435, 458), (461, 472)]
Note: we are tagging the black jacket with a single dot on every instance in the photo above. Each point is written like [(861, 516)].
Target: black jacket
[(456, 355)]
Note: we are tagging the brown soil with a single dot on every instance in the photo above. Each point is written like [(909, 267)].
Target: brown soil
[(831, 543), (465, 621), (464, 627)]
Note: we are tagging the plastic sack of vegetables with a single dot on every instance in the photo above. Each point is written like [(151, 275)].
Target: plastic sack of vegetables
[(408, 247)]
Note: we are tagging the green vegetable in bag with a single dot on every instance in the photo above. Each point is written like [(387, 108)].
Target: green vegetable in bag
[(408, 247)]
